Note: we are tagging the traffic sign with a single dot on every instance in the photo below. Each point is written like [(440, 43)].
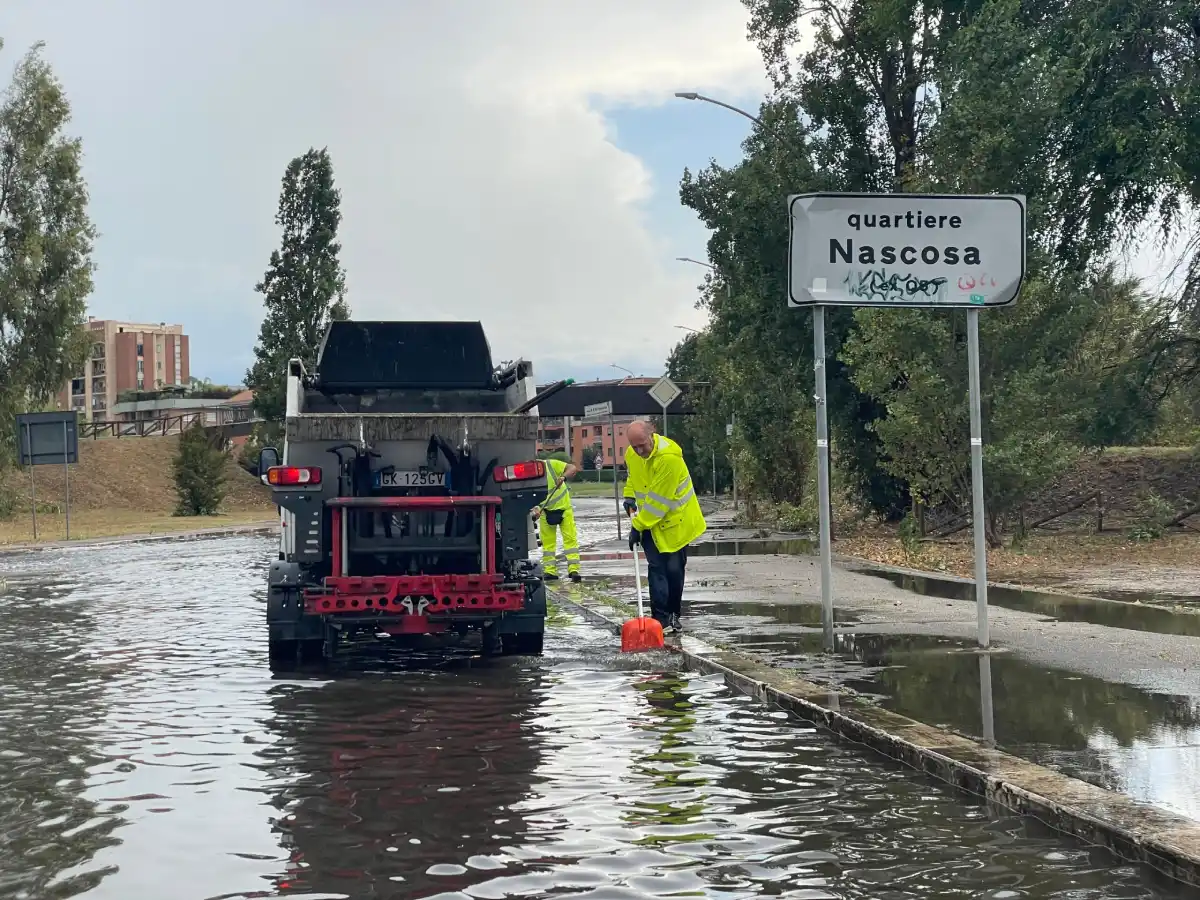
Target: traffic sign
[(665, 392), (598, 410), (729, 430), (906, 250)]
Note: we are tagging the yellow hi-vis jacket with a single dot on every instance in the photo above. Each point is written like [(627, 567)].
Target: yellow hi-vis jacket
[(666, 501), (555, 499)]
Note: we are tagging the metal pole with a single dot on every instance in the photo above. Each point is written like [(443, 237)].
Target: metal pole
[(612, 431), (67, 477), (733, 467), (823, 475), (664, 406), (977, 511), (32, 481), (985, 699), (714, 473)]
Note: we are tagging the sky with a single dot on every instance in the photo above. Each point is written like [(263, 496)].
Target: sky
[(515, 163)]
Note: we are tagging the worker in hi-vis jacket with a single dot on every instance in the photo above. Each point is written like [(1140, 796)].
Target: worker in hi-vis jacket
[(555, 513)]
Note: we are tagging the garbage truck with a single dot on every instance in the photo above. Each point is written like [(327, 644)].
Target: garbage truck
[(405, 485)]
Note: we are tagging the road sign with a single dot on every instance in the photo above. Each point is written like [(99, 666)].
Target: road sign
[(729, 430), (48, 439), (598, 410), (906, 250), (665, 392)]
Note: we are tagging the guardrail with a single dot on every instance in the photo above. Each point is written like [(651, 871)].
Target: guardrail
[(165, 425)]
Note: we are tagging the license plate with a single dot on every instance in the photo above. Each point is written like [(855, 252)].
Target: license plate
[(409, 479)]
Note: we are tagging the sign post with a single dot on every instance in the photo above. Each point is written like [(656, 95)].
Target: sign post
[(597, 411), (732, 463), (48, 439), (664, 393), (905, 251)]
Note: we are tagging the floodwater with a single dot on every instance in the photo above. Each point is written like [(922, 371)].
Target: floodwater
[(1142, 743), (148, 753)]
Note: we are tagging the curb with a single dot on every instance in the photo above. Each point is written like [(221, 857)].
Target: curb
[(1132, 830)]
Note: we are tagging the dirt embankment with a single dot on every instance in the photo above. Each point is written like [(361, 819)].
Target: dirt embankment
[(124, 486), (1099, 528)]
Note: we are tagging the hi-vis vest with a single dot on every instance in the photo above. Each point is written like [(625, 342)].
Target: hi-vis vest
[(556, 499), (666, 501)]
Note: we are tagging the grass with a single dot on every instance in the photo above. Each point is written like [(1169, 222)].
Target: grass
[(92, 523), (580, 487)]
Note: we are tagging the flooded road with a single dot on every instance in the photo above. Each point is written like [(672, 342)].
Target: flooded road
[(148, 753)]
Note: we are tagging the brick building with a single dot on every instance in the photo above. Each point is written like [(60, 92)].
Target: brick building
[(125, 356)]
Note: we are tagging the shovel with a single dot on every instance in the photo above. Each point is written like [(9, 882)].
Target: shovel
[(644, 632)]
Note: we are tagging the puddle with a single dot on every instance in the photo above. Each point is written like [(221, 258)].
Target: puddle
[(1062, 607), (1141, 743), (1155, 598), (805, 614)]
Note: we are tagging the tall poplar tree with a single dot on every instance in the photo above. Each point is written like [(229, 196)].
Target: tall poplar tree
[(304, 288), (46, 242)]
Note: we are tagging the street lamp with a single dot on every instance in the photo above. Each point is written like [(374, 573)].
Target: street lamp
[(686, 328), (622, 368), (692, 95), (688, 259)]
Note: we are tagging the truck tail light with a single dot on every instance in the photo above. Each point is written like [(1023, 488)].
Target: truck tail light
[(287, 476), (522, 471)]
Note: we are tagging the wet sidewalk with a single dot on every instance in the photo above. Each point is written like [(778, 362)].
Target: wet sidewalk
[(1107, 692)]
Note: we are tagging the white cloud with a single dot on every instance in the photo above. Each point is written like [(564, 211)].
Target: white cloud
[(478, 177)]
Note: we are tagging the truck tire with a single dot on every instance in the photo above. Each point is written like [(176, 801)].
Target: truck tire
[(524, 643), (284, 656)]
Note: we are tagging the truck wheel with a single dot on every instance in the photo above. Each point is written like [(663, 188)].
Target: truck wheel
[(525, 643), (284, 656), (490, 642)]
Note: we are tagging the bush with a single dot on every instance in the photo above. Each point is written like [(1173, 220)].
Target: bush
[(199, 470)]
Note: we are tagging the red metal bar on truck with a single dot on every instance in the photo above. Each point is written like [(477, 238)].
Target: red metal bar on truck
[(416, 595)]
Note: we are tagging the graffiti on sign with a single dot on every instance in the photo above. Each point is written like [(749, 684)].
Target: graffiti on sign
[(877, 286), (968, 282)]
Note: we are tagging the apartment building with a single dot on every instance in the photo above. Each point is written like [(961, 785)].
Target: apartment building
[(125, 356)]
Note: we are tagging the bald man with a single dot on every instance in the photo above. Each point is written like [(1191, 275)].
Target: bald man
[(666, 516)]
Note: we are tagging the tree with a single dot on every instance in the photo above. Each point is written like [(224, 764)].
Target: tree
[(304, 288), (199, 470), (46, 242)]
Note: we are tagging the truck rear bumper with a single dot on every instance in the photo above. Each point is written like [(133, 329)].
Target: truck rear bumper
[(434, 595)]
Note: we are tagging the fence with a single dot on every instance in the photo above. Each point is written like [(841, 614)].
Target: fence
[(211, 418)]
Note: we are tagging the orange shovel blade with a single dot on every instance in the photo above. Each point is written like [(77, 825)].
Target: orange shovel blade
[(641, 634)]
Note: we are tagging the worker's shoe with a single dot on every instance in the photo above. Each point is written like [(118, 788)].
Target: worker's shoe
[(550, 576), (674, 626), (575, 577)]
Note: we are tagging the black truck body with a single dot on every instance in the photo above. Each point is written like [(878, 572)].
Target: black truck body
[(405, 486)]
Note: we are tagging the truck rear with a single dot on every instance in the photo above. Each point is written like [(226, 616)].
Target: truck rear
[(405, 486)]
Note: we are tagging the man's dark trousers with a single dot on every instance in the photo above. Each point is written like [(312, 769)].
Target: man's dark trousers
[(665, 574)]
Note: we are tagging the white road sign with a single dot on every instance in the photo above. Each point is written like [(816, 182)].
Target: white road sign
[(728, 431), (598, 410), (665, 392), (906, 250)]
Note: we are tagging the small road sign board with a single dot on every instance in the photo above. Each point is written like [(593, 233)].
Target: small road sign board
[(665, 392), (906, 250), (598, 410), (48, 438)]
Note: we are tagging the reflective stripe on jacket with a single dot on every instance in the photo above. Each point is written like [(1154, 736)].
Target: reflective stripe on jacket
[(556, 499), (666, 500)]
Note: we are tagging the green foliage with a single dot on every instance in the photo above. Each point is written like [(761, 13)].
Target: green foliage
[(199, 471), (1152, 519), (304, 288), (45, 244), (1088, 107)]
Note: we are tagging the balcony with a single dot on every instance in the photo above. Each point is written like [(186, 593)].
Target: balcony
[(97, 351)]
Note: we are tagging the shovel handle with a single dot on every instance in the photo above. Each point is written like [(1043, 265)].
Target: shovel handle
[(637, 577)]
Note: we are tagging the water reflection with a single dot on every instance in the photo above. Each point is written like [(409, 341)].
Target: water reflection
[(52, 697)]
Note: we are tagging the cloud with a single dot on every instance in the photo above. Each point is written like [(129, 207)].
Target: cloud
[(479, 177)]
